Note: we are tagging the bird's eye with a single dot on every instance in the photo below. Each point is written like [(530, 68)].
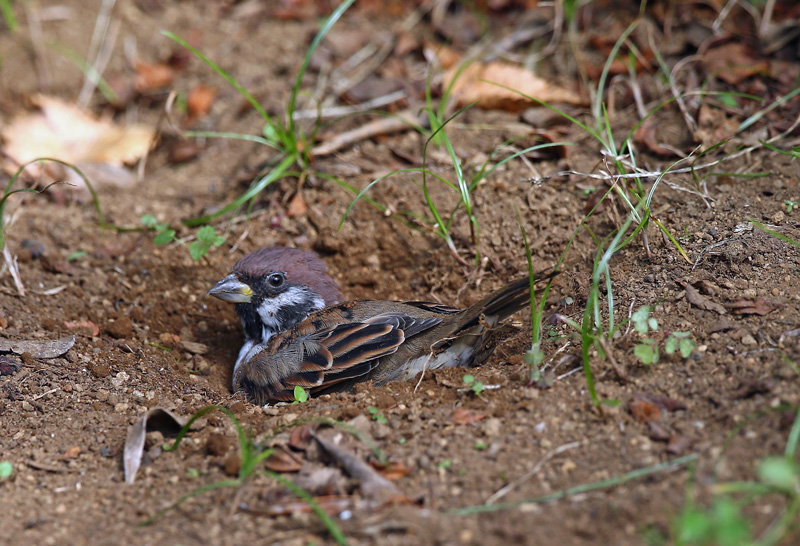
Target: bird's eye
[(276, 279)]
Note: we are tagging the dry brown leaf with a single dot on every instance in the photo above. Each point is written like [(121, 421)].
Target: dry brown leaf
[(473, 84), (199, 102), (644, 411), (282, 460), (63, 131), (701, 302), (91, 329), (297, 206), (153, 76), (464, 416), (733, 62), (752, 307), (393, 470)]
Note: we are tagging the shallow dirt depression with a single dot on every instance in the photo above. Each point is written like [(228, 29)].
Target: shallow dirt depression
[(147, 336)]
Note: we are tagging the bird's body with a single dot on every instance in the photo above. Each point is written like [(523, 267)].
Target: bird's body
[(299, 333)]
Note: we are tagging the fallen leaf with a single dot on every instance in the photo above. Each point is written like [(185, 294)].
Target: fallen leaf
[(392, 470), (662, 401), (464, 416), (297, 206), (182, 151), (759, 306), (701, 302), (90, 327), (40, 348), (63, 131), (300, 438), (199, 101), (282, 460), (155, 419), (733, 62), (72, 453), (153, 76), (477, 82), (644, 411), (647, 134)]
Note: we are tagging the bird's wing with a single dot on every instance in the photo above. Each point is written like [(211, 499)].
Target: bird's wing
[(434, 307), (327, 356)]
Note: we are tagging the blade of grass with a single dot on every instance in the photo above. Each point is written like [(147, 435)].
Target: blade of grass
[(578, 489), (774, 233), (330, 524)]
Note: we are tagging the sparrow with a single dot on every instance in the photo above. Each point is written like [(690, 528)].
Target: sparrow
[(298, 331)]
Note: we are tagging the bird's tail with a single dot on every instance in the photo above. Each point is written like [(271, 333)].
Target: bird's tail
[(509, 299)]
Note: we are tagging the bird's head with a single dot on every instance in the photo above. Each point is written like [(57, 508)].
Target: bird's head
[(276, 288)]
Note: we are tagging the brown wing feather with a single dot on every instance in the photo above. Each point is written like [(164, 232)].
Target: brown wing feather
[(318, 361)]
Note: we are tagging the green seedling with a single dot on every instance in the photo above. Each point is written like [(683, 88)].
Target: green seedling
[(206, 237), (647, 350), (473, 384), (6, 469), (300, 395), (377, 415), (447, 463), (480, 446), (790, 205), (680, 342), (78, 254), (726, 523)]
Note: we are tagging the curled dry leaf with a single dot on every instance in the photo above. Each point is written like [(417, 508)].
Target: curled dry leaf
[(733, 62), (477, 82), (155, 419), (282, 460), (90, 328), (701, 302), (392, 470), (199, 102), (464, 416), (300, 438), (759, 306), (644, 411), (39, 348), (63, 131), (153, 76)]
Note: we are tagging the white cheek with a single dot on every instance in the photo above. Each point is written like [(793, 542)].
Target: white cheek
[(269, 307)]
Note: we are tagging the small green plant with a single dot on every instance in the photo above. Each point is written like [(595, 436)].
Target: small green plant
[(7, 11), (480, 446), (285, 136), (300, 395), (790, 205), (6, 469), (724, 523), (206, 237), (447, 463), (473, 384), (647, 350), (377, 415), (680, 342)]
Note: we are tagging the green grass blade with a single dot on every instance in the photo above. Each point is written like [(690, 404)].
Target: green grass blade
[(578, 489), (8, 15), (326, 27), (275, 174), (774, 233), (794, 437), (330, 524), (216, 68)]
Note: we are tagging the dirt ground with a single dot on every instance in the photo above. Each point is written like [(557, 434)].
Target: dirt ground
[(63, 420)]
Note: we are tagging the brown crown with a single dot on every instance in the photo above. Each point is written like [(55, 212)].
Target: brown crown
[(301, 267)]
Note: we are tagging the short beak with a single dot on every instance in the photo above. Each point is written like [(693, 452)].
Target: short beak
[(232, 290)]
